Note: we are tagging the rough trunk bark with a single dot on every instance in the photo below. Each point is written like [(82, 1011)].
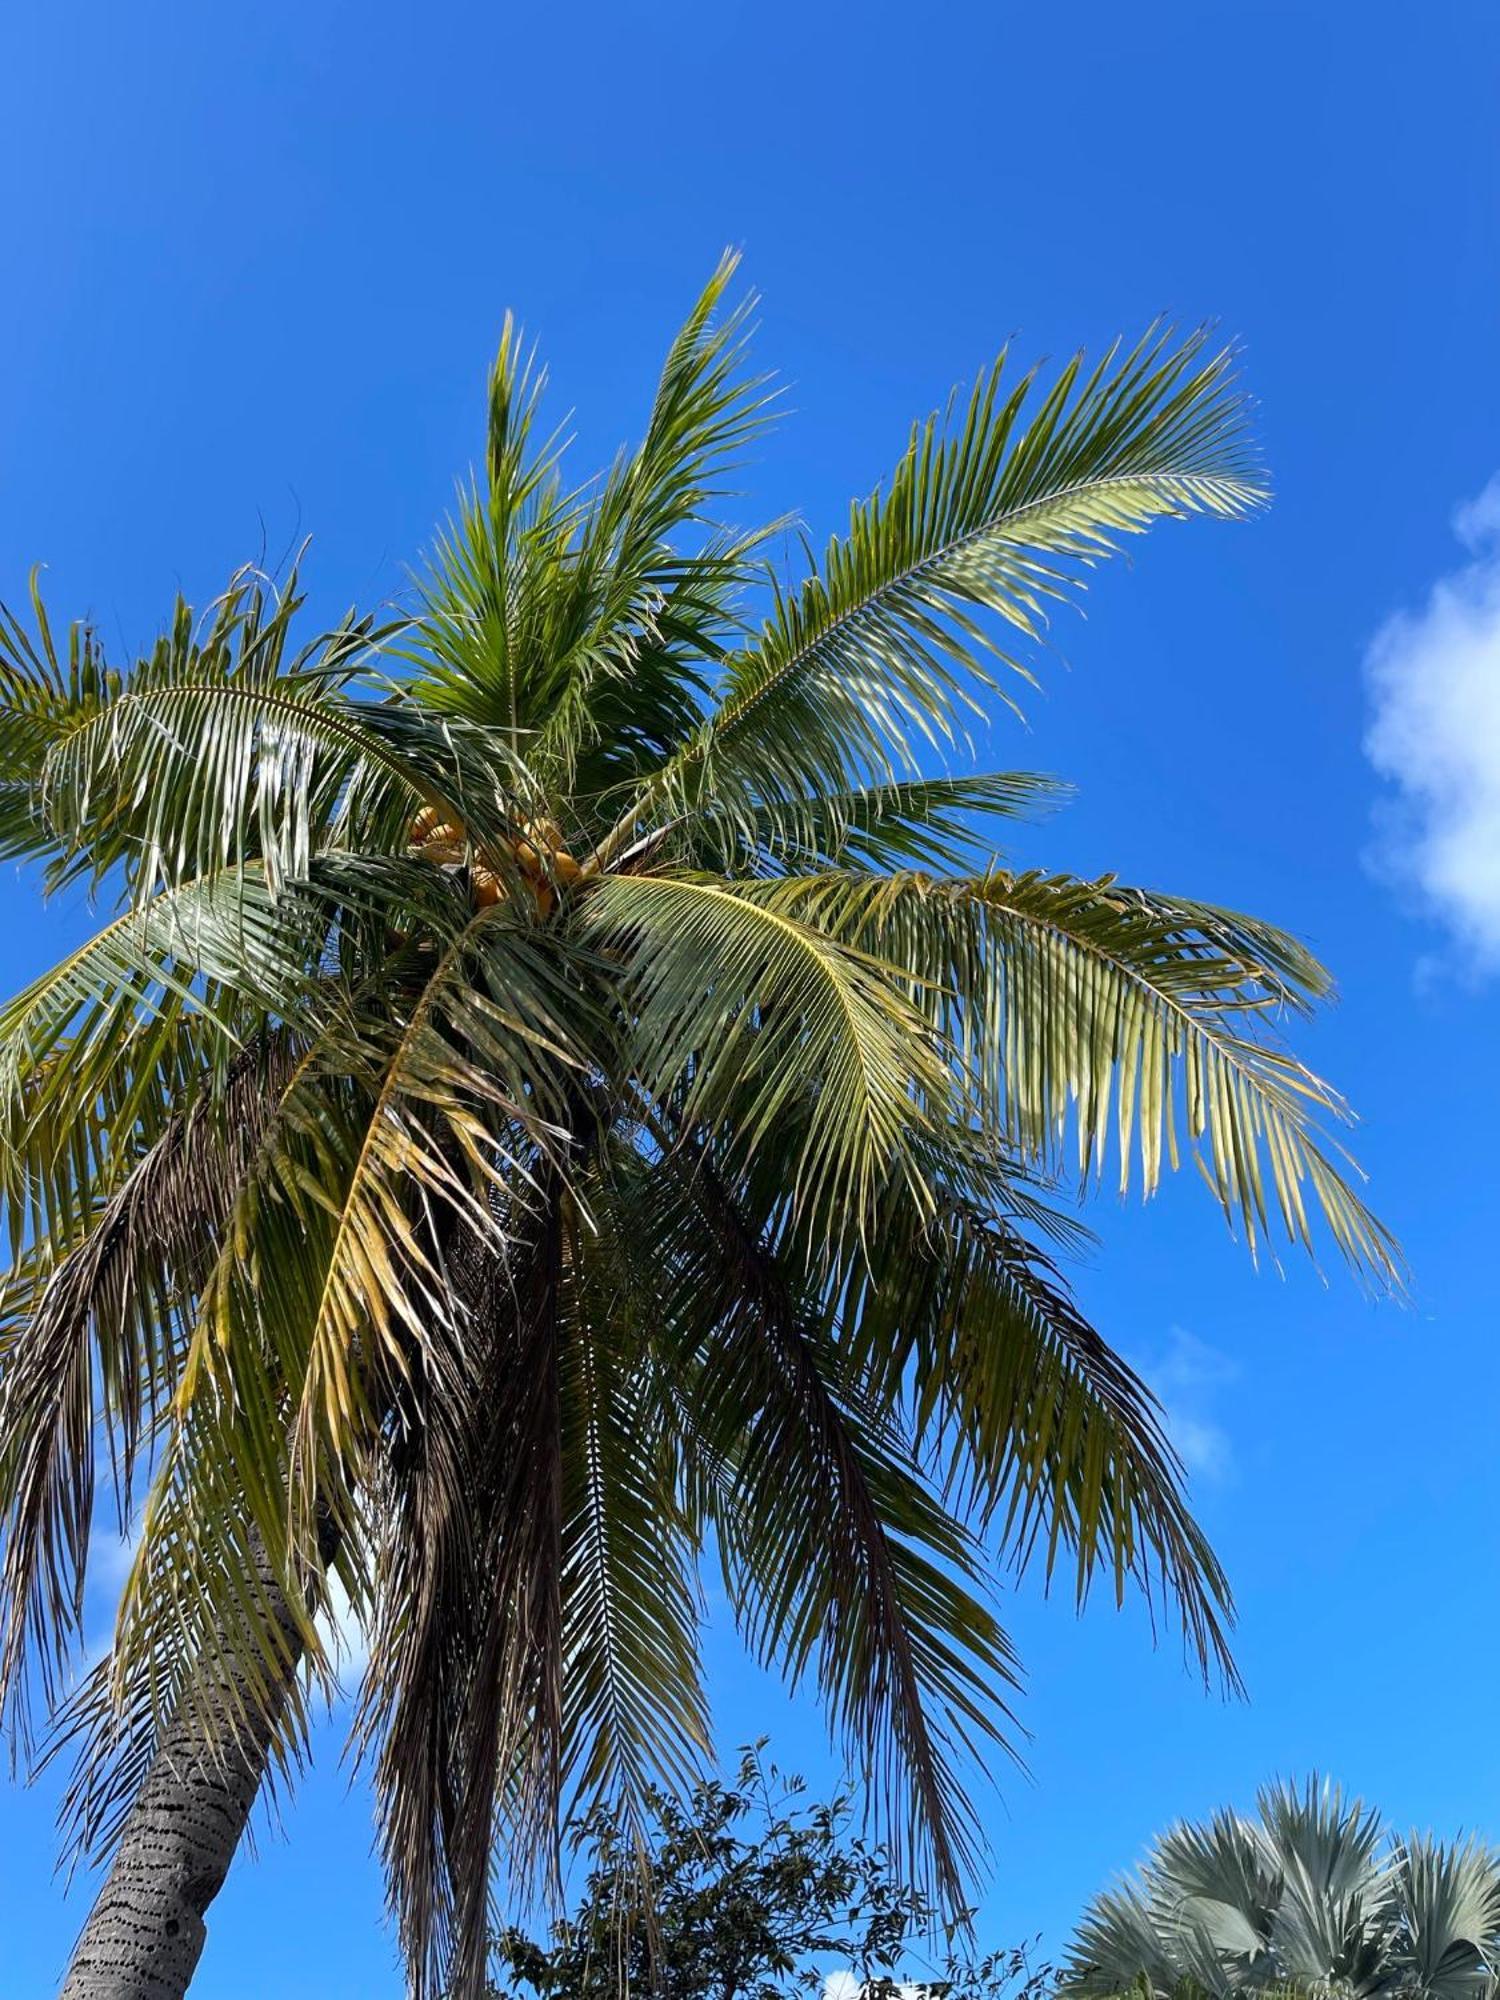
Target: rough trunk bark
[(145, 1933)]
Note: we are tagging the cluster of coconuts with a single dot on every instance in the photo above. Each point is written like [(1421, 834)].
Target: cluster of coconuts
[(539, 854)]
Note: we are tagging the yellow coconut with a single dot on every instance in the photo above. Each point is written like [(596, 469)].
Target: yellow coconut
[(538, 852)]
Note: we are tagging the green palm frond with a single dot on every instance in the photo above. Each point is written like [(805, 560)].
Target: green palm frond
[(223, 746), (571, 619), (707, 410), (851, 1578), (748, 1009), (877, 658), (935, 823), (205, 753), (41, 698), (98, 1055), (1051, 1440), (635, 1710), (839, 1561), (1126, 1017)]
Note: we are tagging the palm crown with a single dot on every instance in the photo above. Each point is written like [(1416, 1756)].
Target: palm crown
[(565, 1083), (1313, 1895)]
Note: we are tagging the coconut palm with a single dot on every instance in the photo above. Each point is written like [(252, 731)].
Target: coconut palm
[(566, 1082), (1314, 1895)]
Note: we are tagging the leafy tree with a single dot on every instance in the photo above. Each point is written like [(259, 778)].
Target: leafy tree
[(751, 1892), (1314, 1896), (563, 1081)]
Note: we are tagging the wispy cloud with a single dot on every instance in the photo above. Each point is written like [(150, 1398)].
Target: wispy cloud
[(110, 1557), (348, 1641), (1434, 679), (1190, 1377)]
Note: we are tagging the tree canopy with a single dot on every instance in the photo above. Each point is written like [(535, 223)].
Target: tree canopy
[(568, 1079), (752, 1891)]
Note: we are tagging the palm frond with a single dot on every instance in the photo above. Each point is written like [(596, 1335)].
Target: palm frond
[(1116, 1950), (650, 595), (571, 619), (1215, 1888), (1311, 1896), (742, 1005), (463, 1081), (933, 823), (1449, 1896), (1128, 1017), (838, 1559), (1048, 1435), (40, 699), (634, 1707), (463, 1688), (105, 1335), (221, 1600), (877, 658), (225, 746), (238, 1703), (100, 1053)]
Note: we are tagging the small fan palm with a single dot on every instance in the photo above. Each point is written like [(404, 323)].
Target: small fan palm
[(565, 1084), (1314, 1896)]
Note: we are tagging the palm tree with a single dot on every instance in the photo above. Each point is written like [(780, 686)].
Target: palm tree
[(1314, 1896), (563, 1085)]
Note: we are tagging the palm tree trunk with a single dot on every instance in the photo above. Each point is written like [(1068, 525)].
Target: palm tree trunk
[(146, 1931)]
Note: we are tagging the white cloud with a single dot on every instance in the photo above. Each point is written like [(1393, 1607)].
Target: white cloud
[(1434, 679), (347, 1640), (1203, 1447), (1189, 1378), (110, 1558)]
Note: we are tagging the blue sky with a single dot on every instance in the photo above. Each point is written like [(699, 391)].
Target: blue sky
[(255, 262)]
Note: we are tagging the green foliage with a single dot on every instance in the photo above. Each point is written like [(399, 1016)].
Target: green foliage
[(1313, 1896), (750, 1892), (566, 1080)]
